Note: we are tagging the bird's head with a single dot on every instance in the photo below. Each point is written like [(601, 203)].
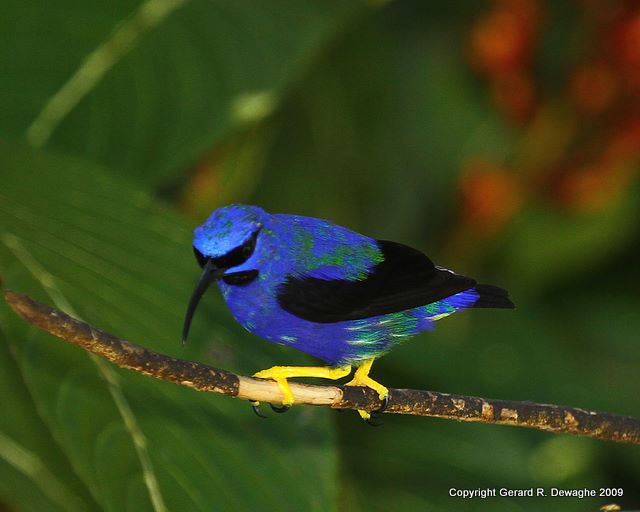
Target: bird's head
[(226, 240)]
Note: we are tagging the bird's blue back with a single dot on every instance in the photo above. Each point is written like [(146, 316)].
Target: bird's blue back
[(296, 247)]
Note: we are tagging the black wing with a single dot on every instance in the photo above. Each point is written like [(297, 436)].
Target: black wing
[(405, 279)]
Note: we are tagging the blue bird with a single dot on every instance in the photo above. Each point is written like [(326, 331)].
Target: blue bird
[(323, 289)]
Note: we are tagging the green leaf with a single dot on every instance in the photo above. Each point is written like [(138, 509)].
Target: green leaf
[(34, 472), (146, 87), (547, 247), (87, 242)]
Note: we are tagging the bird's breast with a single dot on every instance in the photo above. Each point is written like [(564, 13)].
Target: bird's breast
[(251, 304)]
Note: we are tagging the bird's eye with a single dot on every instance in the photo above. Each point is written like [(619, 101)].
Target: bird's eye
[(239, 255)]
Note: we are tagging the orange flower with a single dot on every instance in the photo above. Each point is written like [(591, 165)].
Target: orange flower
[(502, 39), (593, 88), (625, 46), (490, 195)]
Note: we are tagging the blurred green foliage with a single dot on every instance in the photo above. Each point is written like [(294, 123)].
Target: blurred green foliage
[(503, 138)]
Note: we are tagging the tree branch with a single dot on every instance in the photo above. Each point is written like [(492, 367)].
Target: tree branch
[(552, 418)]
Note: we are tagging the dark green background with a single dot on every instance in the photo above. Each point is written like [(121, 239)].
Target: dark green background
[(364, 113)]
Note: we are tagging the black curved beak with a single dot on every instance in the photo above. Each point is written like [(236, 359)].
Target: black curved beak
[(209, 273)]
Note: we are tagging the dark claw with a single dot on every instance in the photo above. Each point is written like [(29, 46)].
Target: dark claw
[(280, 410), (377, 413), (383, 407), (256, 408)]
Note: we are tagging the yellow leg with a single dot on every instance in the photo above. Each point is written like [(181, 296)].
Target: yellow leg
[(361, 378), (281, 373)]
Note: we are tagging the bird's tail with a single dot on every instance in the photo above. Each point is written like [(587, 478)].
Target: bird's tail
[(492, 297)]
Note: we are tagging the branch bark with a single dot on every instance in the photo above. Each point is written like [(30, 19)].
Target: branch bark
[(551, 418)]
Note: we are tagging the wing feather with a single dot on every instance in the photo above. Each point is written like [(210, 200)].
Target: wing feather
[(405, 279)]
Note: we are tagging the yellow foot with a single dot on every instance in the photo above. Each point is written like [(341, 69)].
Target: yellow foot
[(361, 378), (281, 373)]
